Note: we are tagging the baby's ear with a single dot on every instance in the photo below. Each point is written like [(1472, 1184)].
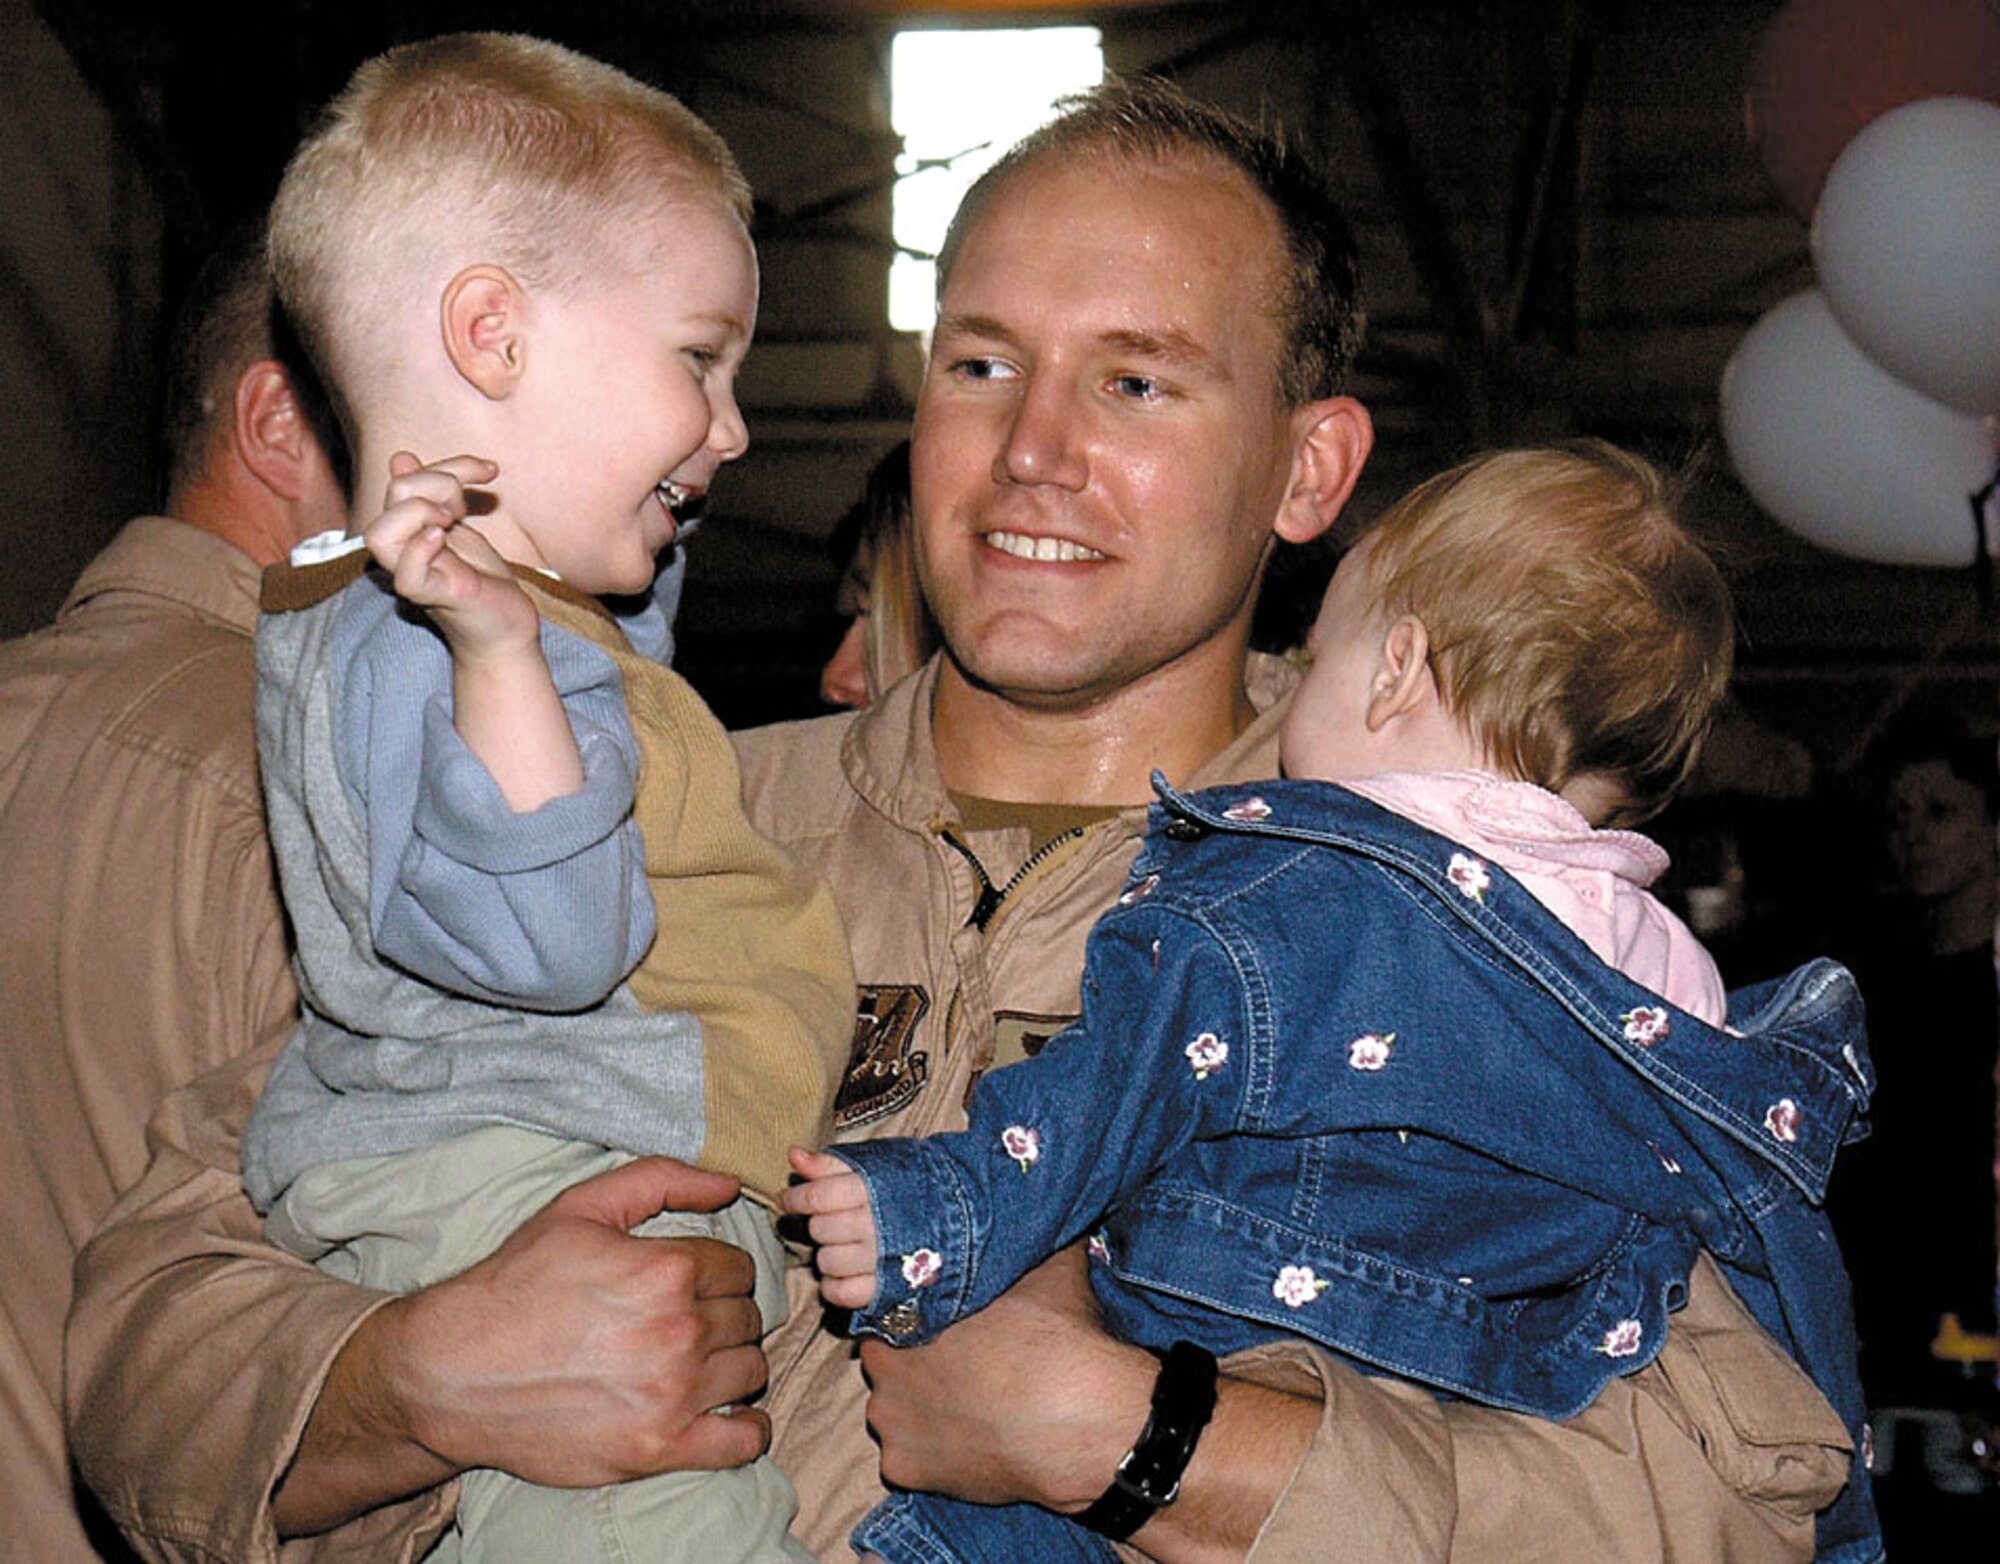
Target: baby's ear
[(483, 318), (1402, 682)]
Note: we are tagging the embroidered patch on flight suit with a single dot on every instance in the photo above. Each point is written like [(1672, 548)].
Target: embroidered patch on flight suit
[(884, 1070), (1020, 1034)]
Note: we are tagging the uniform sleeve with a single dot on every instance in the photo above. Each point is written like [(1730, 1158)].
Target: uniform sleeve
[(1157, 1059), (543, 910), (195, 1353), (1721, 1448)]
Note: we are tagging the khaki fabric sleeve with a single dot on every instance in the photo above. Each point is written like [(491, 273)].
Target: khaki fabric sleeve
[(195, 1353), (1720, 1449)]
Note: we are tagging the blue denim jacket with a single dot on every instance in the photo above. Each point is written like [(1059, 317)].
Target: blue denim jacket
[(1337, 1077)]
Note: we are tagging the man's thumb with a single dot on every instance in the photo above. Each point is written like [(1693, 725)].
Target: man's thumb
[(627, 1195)]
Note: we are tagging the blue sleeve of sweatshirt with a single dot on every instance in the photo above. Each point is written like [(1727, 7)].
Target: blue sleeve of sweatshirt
[(544, 910)]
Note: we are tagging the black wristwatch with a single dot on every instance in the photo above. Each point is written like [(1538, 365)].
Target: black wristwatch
[(1149, 1477)]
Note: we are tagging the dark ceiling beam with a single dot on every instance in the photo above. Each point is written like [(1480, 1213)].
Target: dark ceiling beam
[(1550, 165), (123, 61), (1345, 38)]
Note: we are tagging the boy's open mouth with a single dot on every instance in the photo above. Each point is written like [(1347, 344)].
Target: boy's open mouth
[(683, 504)]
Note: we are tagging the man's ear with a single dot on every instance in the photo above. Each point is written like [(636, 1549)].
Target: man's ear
[(483, 318), (273, 438), (1402, 682), (1333, 438)]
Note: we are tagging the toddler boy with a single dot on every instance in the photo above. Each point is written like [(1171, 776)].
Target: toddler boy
[(536, 934)]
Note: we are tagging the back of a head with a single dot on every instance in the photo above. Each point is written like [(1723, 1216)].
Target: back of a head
[(901, 636), (1149, 120), (1577, 629), (474, 146), (224, 326)]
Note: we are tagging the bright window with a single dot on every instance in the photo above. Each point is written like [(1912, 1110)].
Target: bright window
[(959, 100)]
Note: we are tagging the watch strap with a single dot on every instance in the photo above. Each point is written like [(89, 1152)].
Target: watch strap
[(1148, 1478)]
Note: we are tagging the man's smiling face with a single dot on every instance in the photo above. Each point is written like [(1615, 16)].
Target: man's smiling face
[(1100, 450)]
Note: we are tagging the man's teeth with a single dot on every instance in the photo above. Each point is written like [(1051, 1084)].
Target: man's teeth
[(672, 495), (1022, 546)]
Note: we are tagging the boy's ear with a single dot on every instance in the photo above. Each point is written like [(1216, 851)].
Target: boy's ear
[(1403, 682), (483, 317), (1334, 438)]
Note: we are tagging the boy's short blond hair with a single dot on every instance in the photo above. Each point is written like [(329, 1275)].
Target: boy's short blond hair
[(1576, 628), (476, 146)]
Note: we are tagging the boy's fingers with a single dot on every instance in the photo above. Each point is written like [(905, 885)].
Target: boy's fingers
[(473, 547), (442, 483), (418, 564), (439, 490), (465, 467), (468, 469)]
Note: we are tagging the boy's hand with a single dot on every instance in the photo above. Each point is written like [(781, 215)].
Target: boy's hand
[(449, 570), (836, 1199)]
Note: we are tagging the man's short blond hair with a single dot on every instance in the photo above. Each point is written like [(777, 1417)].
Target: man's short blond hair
[(1576, 627), (1147, 119), (492, 146)]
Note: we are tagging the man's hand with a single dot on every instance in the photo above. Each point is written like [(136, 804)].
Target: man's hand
[(449, 570), (955, 1416), (574, 1355), (835, 1198)]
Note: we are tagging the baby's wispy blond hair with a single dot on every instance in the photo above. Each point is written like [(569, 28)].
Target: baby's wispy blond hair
[(1577, 629), (476, 146)]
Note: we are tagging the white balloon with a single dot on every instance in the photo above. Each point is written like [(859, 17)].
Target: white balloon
[(1843, 453), (1907, 243)]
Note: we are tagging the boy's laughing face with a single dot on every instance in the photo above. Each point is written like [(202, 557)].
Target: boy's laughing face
[(627, 405)]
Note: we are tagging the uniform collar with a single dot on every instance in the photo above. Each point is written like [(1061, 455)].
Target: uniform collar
[(156, 556), (892, 763)]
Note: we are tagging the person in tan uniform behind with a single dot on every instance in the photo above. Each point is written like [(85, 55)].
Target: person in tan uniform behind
[(143, 941), (1133, 394)]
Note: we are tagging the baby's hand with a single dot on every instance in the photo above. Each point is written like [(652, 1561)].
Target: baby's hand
[(449, 570), (836, 1200)]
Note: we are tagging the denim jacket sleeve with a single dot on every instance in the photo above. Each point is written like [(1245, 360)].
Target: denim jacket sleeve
[(544, 910), (1159, 1058)]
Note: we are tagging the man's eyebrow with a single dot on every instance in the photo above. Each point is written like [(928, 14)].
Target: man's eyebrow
[(1172, 346), (984, 327)]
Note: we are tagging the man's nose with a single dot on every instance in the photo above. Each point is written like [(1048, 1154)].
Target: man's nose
[(1044, 439)]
